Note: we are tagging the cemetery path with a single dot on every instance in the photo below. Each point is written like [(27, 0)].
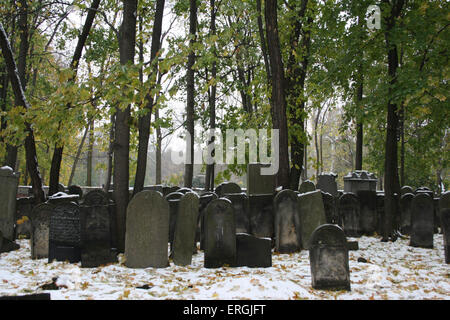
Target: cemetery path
[(392, 271)]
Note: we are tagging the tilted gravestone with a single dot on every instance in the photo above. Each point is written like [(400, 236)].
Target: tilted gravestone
[(406, 189), (65, 233), (307, 186), (328, 255), (220, 234), (40, 230), (253, 252), (422, 223), (405, 213), (174, 200), (287, 222), (327, 183), (257, 182), (9, 182), (444, 205), (185, 228), (349, 212), (261, 215), (227, 188), (147, 231), (329, 205), (368, 211), (205, 199), (241, 211), (312, 214)]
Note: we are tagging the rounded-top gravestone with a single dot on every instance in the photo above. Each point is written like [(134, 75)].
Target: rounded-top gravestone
[(227, 188), (287, 222), (307, 186), (422, 221)]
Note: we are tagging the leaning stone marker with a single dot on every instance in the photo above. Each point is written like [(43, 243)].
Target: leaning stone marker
[(65, 233), (312, 214), (185, 228), (147, 231), (444, 205), (9, 181), (328, 255), (220, 234), (253, 252), (287, 222), (422, 224), (307, 186), (40, 226), (349, 213)]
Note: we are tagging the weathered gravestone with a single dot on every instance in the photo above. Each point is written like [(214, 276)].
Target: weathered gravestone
[(257, 181), (253, 252), (307, 186), (65, 233), (329, 205), (205, 199), (312, 214), (261, 215), (220, 234), (444, 205), (328, 255), (287, 222), (406, 189), (368, 211), (422, 223), (174, 200), (96, 236), (349, 213), (40, 230), (147, 231), (7, 245), (185, 228), (241, 211), (9, 181), (227, 188), (327, 183), (360, 180), (405, 213)]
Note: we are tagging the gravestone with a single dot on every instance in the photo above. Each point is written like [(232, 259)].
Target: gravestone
[(360, 180), (327, 183), (312, 214), (329, 205), (380, 212), (253, 252), (226, 188), (65, 233), (75, 189), (96, 236), (405, 213), (328, 255), (368, 211), (257, 183), (96, 198), (147, 231), (184, 190), (307, 186), (349, 213), (220, 234), (444, 206), (261, 215), (241, 207), (422, 223), (24, 207), (169, 189), (406, 189), (185, 228), (9, 182), (40, 230), (205, 199), (174, 200), (287, 222)]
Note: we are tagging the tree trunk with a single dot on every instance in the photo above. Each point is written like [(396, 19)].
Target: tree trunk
[(109, 168), (144, 121), (77, 156), (89, 154), (190, 105), (158, 177)]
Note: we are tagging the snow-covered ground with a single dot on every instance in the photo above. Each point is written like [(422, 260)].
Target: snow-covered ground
[(392, 271)]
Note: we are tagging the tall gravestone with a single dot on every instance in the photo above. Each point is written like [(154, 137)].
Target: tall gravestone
[(65, 233), (205, 199), (368, 211), (444, 205), (257, 182), (405, 212), (329, 205), (220, 234), (328, 255), (349, 212), (422, 222), (312, 214), (327, 183), (185, 228), (261, 215), (9, 181), (174, 200), (287, 222), (40, 228), (147, 231), (253, 252), (241, 207), (307, 186)]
